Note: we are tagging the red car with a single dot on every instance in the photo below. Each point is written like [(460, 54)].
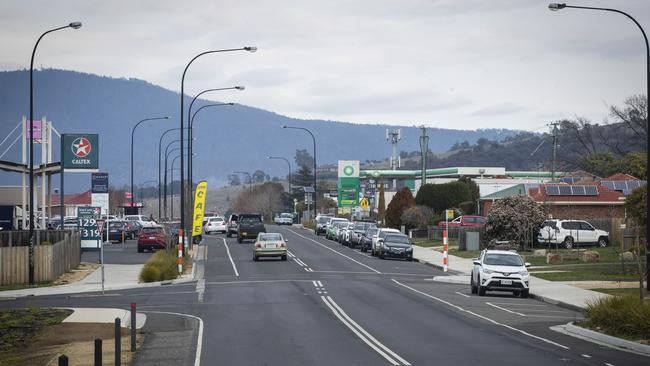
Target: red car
[(465, 221), (152, 238)]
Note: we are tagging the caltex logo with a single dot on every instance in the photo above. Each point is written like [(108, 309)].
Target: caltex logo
[(81, 147)]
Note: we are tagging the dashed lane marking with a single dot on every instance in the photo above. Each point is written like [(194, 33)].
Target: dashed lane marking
[(506, 310)]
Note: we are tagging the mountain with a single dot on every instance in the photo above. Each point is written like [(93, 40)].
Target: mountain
[(239, 137)]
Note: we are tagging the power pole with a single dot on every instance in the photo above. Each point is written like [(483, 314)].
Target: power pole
[(393, 137), (424, 150), (554, 133)]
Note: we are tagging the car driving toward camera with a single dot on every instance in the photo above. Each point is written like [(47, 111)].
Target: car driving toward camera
[(500, 270), (270, 245)]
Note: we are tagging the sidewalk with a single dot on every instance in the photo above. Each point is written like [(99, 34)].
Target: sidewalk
[(548, 291)]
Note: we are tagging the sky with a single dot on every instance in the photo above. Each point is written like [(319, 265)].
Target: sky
[(463, 64)]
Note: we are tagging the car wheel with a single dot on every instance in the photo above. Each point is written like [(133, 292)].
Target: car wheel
[(140, 250), (228, 234), (524, 294), (481, 289), (473, 287), (410, 258), (363, 248), (284, 257), (239, 239), (602, 242), (255, 258), (568, 242), (380, 255)]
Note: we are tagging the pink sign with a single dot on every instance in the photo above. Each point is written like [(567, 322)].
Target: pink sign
[(38, 131)]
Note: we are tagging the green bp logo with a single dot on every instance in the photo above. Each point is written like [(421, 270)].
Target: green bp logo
[(348, 170)]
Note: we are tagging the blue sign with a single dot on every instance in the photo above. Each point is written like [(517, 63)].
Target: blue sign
[(87, 222)]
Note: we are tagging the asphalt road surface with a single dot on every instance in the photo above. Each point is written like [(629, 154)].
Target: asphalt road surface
[(330, 305)]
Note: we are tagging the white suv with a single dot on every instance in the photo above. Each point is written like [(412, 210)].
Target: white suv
[(500, 270), (144, 221), (570, 233), (215, 224)]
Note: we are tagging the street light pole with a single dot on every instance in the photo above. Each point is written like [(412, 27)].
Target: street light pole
[(172, 187), (167, 152), (315, 190), (288, 165), (558, 6), (249, 49), (132, 136), (73, 25)]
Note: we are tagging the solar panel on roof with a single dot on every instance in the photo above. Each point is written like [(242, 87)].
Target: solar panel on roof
[(620, 185), (578, 190), (553, 190), (607, 183), (633, 184), (565, 190), (591, 190)]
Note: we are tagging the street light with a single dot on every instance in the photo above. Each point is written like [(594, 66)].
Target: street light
[(250, 179), (190, 145), (558, 6), (132, 135), (159, 169), (288, 164), (314, 140), (249, 49), (73, 25), (172, 187)]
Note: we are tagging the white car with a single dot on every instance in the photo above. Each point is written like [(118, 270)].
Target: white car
[(500, 270), (374, 250), (144, 221), (215, 224), (570, 233), (284, 219)]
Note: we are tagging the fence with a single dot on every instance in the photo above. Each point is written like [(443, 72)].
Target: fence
[(17, 238), (50, 260)]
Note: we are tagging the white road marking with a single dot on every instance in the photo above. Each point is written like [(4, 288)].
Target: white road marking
[(315, 284), (586, 356), (341, 254), (481, 316), (199, 337), (200, 288), (229, 256), (518, 304), (303, 264), (319, 283), (504, 309), (309, 270), (608, 364), (290, 254), (362, 334), (462, 294), (252, 281)]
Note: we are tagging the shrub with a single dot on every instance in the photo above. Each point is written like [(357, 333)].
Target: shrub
[(161, 266), (621, 316), (417, 217), (402, 200), (513, 218)]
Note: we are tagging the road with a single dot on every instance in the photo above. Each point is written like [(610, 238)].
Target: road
[(330, 305)]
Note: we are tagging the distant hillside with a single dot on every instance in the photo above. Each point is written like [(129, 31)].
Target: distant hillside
[(227, 138)]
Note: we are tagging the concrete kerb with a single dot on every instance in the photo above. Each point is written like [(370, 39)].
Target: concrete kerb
[(438, 266), (602, 339), (105, 315), (561, 304)]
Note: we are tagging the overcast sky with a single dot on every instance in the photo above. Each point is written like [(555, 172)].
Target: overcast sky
[(462, 64)]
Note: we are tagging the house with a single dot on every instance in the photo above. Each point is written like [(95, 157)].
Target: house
[(72, 201)]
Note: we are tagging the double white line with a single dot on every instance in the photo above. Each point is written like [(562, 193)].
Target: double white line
[(371, 341)]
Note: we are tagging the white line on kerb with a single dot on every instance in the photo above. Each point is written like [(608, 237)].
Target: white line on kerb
[(199, 338), (504, 309), (481, 316), (229, 256), (462, 294), (341, 254), (362, 334)]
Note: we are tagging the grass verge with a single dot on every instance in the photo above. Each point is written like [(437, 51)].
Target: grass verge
[(621, 292), (19, 327), (162, 266), (620, 316)]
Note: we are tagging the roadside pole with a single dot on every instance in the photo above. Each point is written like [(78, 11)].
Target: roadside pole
[(180, 251), (100, 226), (445, 240)]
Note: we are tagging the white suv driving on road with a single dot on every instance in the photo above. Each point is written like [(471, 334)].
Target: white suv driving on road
[(500, 270), (570, 233)]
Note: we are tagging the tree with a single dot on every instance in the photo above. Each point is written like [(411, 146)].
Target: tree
[(634, 114), (605, 164), (514, 218), (258, 176), (400, 202), (443, 196), (635, 206), (304, 159), (381, 205), (267, 199), (417, 217), (234, 180)]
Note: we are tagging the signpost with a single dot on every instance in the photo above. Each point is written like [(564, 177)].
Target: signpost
[(364, 203), (99, 193), (449, 214), (348, 183), (100, 226), (79, 153)]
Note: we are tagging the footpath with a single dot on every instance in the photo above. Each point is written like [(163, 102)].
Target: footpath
[(552, 292)]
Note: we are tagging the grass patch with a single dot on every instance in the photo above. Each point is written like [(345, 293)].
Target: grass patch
[(469, 254), (18, 327), (428, 243), (621, 292), (620, 316), (162, 266), (571, 256), (601, 272)]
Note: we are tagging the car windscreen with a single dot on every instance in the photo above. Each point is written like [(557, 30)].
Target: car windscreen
[(360, 226), (286, 216), (152, 230), (503, 260), (270, 237), (372, 232), (400, 239), (324, 220), (384, 233), (250, 220)]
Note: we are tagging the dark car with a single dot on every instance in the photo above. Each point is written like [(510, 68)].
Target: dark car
[(117, 231), (152, 238), (366, 240), (248, 226), (357, 233), (396, 246), (232, 225)]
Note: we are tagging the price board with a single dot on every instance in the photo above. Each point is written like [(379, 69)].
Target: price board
[(90, 236)]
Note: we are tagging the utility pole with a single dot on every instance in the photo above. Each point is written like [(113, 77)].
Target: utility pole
[(424, 150), (554, 133), (393, 137)]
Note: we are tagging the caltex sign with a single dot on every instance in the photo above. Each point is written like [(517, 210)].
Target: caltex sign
[(80, 152)]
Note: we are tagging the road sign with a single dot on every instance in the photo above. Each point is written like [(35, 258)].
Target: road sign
[(88, 226), (449, 214), (80, 152), (364, 203), (100, 226)]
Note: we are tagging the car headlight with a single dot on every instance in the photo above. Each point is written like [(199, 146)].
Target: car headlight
[(488, 271), (523, 273)]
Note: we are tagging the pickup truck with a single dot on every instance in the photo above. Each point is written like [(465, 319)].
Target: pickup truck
[(249, 225), (465, 221)]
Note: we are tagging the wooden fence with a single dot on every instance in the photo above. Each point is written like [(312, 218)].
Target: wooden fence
[(50, 260)]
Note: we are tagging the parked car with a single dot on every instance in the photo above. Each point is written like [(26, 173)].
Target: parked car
[(117, 231), (144, 221), (284, 218), (232, 225), (395, 245), (366, 239), (131, 229), (321, 224), (249, 226), (330, 232), (270, 245), (374, 250), (570, 233), (152, 237), (465, 221), (342, 234), (215, 225), (500, 270), (357, 233)]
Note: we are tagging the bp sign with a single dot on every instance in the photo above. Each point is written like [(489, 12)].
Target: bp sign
[(348, 183), (80, 152)]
